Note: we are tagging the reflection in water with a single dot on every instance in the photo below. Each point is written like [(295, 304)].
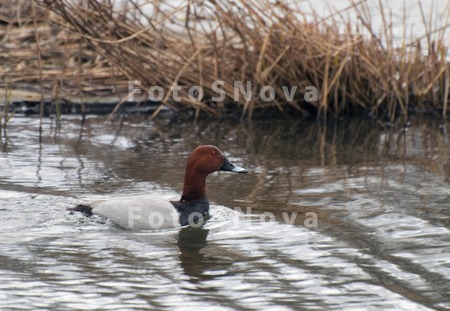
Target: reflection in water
[(191, 241), (380, 194)]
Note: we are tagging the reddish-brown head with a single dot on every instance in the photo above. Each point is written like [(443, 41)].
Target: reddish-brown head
[(203, 161)]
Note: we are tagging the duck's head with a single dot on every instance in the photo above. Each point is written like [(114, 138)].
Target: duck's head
[(203, 161)]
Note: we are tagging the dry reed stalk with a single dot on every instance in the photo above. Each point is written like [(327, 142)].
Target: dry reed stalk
[(39, 60)]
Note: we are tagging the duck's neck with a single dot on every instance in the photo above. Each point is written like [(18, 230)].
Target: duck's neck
[(194, 187)]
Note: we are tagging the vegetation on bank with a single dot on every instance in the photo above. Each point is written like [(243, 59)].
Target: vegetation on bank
[(352, 66)]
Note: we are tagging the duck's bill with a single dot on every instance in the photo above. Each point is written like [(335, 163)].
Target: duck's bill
[(230, 167)]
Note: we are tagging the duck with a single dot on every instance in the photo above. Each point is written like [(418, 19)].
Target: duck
[(149, 212)]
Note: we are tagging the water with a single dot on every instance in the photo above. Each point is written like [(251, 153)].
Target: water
[(379, 239)]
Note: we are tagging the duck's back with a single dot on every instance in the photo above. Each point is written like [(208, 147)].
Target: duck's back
[(139, 212)]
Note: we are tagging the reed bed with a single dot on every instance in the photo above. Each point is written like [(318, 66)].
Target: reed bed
[(43, 63), (338, 65)]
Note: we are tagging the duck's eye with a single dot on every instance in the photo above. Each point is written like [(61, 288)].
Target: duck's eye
[(215, 154)]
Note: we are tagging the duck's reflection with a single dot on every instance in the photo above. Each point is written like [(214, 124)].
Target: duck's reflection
[(190, 242), (192, 238), (194, 258)]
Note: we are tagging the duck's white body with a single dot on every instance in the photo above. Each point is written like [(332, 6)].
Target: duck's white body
[(142, 212)]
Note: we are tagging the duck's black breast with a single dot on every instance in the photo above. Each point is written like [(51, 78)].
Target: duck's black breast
[(192, 211)]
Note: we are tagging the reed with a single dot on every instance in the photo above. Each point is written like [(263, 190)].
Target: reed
[(37, 60), (5, 115), (353, 67)]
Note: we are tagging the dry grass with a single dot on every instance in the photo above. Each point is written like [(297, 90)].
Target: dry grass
[(352, 66), (36, 56)]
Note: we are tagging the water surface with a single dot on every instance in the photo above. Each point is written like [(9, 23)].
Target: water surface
[(380, 196)]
